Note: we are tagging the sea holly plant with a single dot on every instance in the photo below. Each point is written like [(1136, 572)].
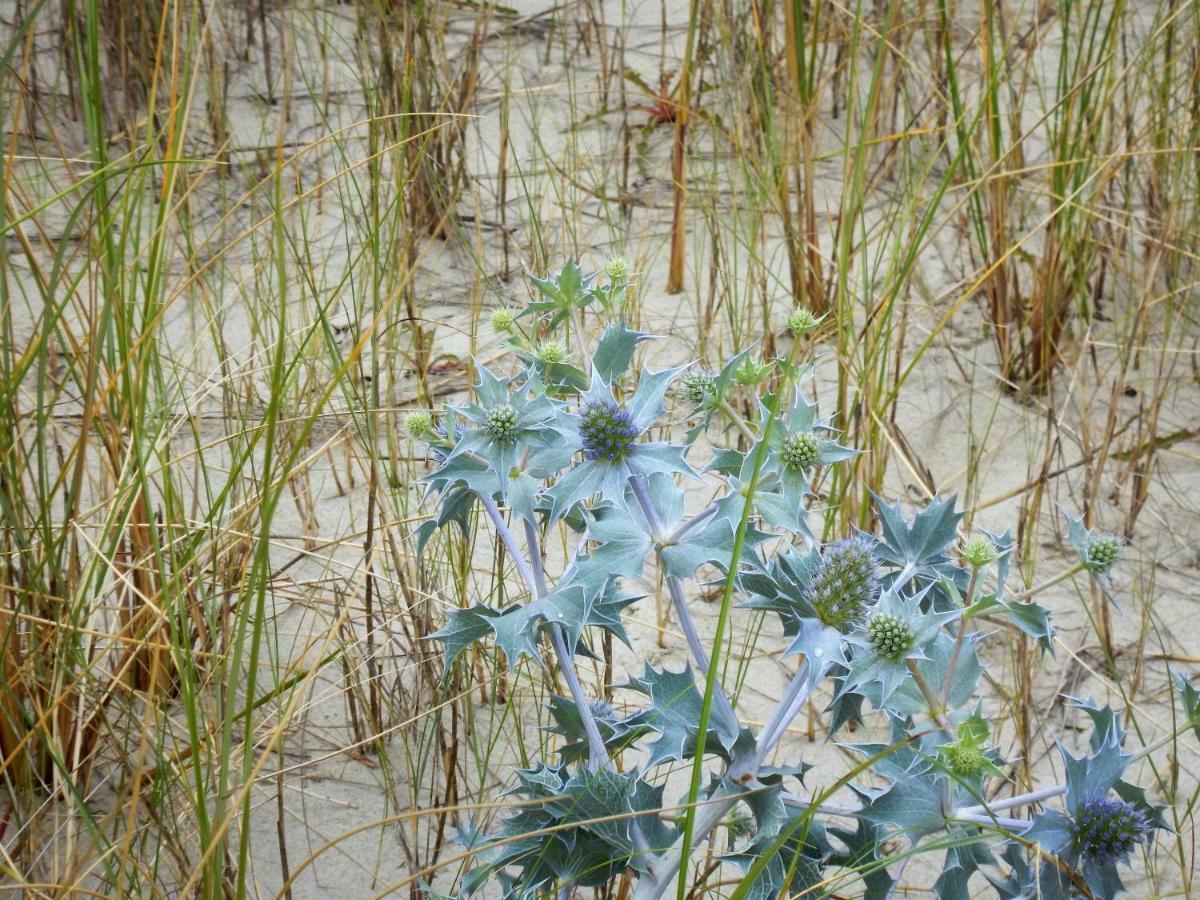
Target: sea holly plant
[(886, 626)]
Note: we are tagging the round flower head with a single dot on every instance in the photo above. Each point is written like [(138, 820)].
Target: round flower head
[(697, 386), (801, 443), (418, 423), (607, 434), (964, 759), (801, 450), (890, 636), (606, 430), (802, 322), (1102, 552), (617, 268), (552, 351), (502, 423), (1107, 829), (978, 551), (602, 710), (508, 419), (503, 319), (844, 583), (893, 632)]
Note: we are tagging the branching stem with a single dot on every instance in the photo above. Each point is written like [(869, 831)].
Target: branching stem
[(534, 577), (736, 418), (675, 588), (959, 638)]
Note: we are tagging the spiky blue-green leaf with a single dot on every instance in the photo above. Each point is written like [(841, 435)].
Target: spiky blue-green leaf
[(1031, 618), (914, 805), (919, 547), (674, 712), (615, 349), (962, 861)]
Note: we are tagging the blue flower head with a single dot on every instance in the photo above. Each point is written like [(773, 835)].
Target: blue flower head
[(1105, 818), (1108, 828), (844, 583), (606, 433)]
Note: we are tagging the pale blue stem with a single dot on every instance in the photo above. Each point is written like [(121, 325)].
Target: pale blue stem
[(675, 589), (684, 527), (798, 691), (743, 770), (597, 752), (1014, 825), (1012, 802)]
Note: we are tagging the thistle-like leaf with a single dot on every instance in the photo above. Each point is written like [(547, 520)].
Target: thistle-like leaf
[(675, 714), (919, 547), (615, 349)]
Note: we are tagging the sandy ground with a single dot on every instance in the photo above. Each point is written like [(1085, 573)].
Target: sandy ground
[(326, 792)]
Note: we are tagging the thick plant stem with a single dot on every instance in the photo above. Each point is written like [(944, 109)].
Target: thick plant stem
[(535, 579), (1014, 825), (709, 814), (1013, 802), (684, 527), (936, 709), (675, 588), (597, 752), (793, 700)]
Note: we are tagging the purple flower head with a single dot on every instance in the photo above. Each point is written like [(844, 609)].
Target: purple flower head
[(845, 583), (1107, 829), (606, 430)]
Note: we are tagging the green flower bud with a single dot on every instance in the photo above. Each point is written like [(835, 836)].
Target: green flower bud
[(890, 638), (503, 319), (418, 423), (800, 450), (752, 373), (802, 322), (617, 268), (552, 351), (697, 386), (977, 551), (964, 759), (503, 423), (1102, 551)]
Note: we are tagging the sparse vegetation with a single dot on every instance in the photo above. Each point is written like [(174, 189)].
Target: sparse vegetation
[(264, 265)]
